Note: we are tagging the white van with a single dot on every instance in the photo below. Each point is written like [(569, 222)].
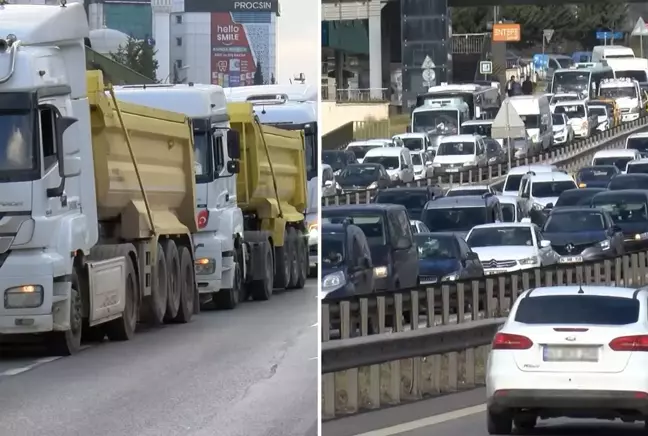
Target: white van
[(459, 152), (538, 191), (638, 141), (396, 160), (601, 52), (514, 176), (582, 122), (619, 157), (536, 114)]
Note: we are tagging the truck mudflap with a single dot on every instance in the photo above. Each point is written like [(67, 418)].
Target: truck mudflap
[(256, 242)]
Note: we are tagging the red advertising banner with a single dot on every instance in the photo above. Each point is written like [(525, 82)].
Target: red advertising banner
[(232, 61)]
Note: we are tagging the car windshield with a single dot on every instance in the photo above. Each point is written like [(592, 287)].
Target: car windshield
[(550, 189), (595, 174), (335, 159), (508, 212), (623, 211), (577, 309), (457, 219), (576, 197), (456, 148), (513, 182), (619, 92), (640, 144), (463, 192), (640, 168), (628, 182), (617, 161), (361, 150), (413, 143), (413, 202), (389, 162), (477, 129), (440, 122), (572, 111), (500, 236), (416, 159), (558, 120), (638, 75), (598, 111), (373, 226), (332, 251), (575, 221), (435, 247), (359, 174)]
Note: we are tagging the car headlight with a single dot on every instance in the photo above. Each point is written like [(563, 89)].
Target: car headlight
[(333, 281), (23, 297), (533, 260), (469, 164), (374, 185), (205, 266), (640, 236), (605, 245), (436, 164), (450, 277), (380, 272), (313, 231)]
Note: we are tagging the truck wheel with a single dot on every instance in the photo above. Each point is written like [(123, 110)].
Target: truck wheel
[(68, 342), (282, 264), (294, 255), (302, 261), (174, 285), (188, 285), (123, 328), (261, 290), (228, 299), (156, 304)]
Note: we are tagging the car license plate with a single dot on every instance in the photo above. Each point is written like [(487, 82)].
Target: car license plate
[(494, 271), (571, 259), (452, 170), (569, 354)]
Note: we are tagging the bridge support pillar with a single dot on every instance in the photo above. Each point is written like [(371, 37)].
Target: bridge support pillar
[(375, 56)]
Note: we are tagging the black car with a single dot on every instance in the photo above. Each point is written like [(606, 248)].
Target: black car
[(494, 151), (629, 210), (628, 181), (444, 256), (582, 233), (577, 197), (414, 199), (338, 159), (347, 268), (391, 242), (596, 176), (460, 214), (358, 177)]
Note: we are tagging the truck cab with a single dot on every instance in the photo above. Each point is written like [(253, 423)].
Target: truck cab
[(628, 95)]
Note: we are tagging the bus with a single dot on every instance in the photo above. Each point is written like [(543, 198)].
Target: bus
[(584, 78), (479, 98)]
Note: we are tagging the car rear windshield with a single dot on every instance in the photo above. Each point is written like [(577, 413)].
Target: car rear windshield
[(577, 309)]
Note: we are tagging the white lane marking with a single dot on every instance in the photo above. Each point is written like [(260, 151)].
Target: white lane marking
[(426, 422), (38, 362)]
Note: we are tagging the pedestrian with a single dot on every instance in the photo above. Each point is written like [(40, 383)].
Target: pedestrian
[(510, 86), (527, 86)]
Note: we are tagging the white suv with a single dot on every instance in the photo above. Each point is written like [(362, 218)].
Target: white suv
[(570, 351)]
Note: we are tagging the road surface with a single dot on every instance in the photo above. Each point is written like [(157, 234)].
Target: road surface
[(461, 414), (248, 372)]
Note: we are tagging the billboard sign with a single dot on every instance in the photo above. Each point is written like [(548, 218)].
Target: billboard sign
[(506, 32), (231, 6)]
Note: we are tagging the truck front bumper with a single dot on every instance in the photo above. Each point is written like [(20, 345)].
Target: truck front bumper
[(629, 117)]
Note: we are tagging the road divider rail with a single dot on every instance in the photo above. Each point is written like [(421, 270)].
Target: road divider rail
[(569, 157), (370, 371)]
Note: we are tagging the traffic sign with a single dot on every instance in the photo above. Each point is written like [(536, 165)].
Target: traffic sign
[(485, 67), (548, 33), (428, 63), (429, 75), (640, 28), (609, 35), (507, 123)]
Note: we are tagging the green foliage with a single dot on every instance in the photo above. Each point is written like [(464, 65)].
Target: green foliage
[(570, 22), (258, 75), (137, 55)]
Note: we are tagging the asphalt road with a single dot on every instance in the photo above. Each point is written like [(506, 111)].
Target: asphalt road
[(461, 414), (251, 371)]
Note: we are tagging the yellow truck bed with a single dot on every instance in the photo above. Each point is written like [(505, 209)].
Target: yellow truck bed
[(274, 187), (162, 143)]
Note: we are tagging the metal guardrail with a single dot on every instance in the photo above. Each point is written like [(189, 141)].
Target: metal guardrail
[(371, 371), (567, 157), (351, 95)]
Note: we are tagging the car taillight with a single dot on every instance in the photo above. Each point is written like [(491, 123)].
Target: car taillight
[(507, 341), (202, 218), (630, 343)]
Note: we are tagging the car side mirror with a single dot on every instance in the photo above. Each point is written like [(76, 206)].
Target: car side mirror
[(549, 206), (545, 244), (328, 183), (525, 195)]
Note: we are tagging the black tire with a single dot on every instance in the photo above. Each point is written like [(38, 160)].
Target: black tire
[(282, 264), (93, 334), (261, 290), (188, 295), (228, 299), (123, 328), (155, 305), (302, 261), (174, 284), (498, 423), (294, 257), (68, 342), (525, 424)]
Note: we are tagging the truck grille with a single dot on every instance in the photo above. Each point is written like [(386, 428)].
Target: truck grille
[(499, 263)]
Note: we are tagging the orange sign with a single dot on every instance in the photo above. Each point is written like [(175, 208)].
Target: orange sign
[(506, 32)]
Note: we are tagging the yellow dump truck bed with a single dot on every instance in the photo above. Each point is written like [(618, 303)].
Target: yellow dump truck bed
[(162, 143), (286, 167)]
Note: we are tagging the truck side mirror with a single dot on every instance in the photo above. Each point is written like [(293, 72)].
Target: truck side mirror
[(233, 144)]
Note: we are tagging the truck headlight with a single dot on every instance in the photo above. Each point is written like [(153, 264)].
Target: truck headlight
[(380, 272), (205, 266), (23, 297)]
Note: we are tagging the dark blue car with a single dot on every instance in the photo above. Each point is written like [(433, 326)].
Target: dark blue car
[(629, 211), (444, 256), (596, 176)]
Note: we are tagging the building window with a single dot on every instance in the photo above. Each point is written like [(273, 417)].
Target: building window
[(178, 63), (179, 42), (178, 19)]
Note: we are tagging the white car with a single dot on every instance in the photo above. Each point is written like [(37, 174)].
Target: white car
[(619, 157), (569, 351), (562, 130), (511, 209), (418, 227), (507, 247), (462, 190), (537, 191), (422, 161)]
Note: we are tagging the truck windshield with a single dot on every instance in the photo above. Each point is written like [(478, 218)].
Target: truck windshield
[(619, 92), (440, 122), (16, 142), (570, 81)]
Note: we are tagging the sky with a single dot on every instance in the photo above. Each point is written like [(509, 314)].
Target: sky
[(298, 40)]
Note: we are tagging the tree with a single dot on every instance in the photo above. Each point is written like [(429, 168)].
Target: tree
[(137, 55), (258, 75)]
